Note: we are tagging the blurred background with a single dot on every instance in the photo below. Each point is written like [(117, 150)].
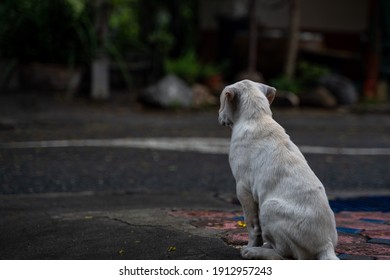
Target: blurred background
[(108, 117), (318, 53), (128, 69)]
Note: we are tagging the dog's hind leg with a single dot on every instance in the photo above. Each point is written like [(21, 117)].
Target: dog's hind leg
[(260, 253), (327, 254)]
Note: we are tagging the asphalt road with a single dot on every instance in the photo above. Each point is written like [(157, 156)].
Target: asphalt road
[(80, 169), (106, 202)]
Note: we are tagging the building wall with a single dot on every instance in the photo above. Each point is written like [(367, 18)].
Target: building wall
[(332, 29), (325, 15)]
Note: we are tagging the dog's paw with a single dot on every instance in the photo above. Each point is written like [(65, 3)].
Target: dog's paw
[(260, 253), (248, 252)]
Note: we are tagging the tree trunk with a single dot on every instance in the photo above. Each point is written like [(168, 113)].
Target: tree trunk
[(252, 58), (251, 73), (293, 39), (100, 87), (373, 54)]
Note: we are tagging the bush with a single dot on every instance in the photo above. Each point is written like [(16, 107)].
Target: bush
[(189, 68), (308, 75), (53, 31)]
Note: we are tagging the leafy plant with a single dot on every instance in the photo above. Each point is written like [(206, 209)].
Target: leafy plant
[(189, 68), (161, 37), (209, 70), (308, 74), (186, 67), (287, 84), (56, 31), (124, 25)]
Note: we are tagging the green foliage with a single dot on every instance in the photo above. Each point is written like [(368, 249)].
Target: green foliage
[(284, 83), (46, 30), (62, 31), (186, 67), (161, 36), (209, 70), (308, 74), (124, 23), (189, 68)]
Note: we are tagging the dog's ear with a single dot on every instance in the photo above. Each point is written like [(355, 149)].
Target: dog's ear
[(270, 94), (229, 95), (268, 91), (227, 98), (228, 106)]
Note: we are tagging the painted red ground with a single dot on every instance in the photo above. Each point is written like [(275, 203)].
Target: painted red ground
[(362, 235)]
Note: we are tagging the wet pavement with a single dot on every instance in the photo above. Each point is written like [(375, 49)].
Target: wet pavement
[(151, 203)]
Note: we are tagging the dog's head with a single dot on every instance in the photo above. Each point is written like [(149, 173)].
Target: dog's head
[(245, 99)]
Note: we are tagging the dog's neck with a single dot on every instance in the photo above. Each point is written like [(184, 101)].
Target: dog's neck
[(253, 108), (252, 121), (256, 126), (248, 112)]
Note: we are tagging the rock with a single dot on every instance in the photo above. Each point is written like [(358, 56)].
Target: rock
[(285, 99), (319, 96), (341, 88), (202, 96), (169, 92)]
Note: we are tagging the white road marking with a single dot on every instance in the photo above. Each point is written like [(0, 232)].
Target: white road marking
[(191, 144), (202, 145)]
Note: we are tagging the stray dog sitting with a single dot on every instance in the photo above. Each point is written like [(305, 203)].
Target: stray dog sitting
[(286, 210)]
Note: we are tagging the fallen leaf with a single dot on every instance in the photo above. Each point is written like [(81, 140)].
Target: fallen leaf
[(172, 249), (241, 224)]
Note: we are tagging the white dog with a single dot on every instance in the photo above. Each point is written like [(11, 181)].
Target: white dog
[(286, 209)]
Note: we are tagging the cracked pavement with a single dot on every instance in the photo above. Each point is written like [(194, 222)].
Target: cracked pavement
[(107, 226)]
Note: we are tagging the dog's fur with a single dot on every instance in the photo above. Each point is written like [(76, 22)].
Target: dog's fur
[(286, 210)]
